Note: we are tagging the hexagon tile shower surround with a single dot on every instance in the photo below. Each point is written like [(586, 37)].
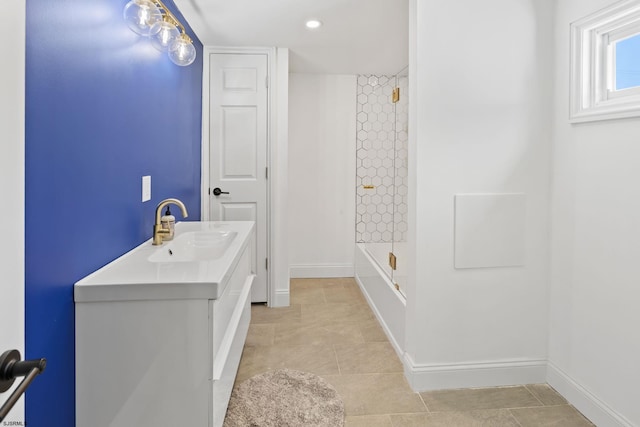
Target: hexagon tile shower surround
[(381, 154)]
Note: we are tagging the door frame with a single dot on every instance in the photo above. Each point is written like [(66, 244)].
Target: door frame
[(12, 188), (277, 149)]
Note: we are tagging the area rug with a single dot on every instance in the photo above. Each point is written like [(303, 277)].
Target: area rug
[(285, 398)]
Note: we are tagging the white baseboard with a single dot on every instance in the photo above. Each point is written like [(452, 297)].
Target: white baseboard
[(310, 271), (586, 402), (282, 298), (483, 374)]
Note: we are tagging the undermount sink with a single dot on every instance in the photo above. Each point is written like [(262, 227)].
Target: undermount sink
[(195, 246)]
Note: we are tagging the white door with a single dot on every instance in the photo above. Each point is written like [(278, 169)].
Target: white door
[(238, 150)]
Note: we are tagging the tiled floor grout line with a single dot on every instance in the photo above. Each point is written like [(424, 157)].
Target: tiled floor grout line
[(514, 417), (534, 396), (273, 340), (534, 407), (390, 420), (335, 353), (424, 403)]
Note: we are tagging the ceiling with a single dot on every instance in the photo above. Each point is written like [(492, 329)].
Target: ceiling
[(357, 36)]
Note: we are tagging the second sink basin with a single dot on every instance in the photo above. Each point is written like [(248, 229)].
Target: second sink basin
[(194, 246)]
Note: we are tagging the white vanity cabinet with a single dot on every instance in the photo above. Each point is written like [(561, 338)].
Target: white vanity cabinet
[(166, 358)]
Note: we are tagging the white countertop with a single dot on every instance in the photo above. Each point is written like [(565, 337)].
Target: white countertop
[(133, 276)]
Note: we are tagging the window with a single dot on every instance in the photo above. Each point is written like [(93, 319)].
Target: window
[(605, 64), (626, 60)]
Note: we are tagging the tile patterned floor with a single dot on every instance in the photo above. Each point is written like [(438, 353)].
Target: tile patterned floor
[(329, 330)]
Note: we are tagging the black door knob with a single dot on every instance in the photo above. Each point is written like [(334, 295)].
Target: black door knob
[(217, 192)]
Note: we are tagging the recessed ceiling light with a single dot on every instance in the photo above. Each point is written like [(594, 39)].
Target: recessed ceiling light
[(312, 24)]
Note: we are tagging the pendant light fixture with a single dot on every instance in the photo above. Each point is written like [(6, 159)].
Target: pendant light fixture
[(151, 18)]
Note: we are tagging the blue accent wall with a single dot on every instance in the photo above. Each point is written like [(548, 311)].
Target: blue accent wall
[(103, 108)]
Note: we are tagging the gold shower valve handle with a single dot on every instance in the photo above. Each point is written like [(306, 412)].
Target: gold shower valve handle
[(368, 187)]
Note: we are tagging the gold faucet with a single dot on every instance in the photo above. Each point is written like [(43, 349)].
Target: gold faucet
[(158, 231)]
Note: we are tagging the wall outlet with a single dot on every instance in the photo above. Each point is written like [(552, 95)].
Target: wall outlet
[(146, 188)]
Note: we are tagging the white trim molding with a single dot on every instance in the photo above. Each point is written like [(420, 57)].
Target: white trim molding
[(512, 372), (12, 188), (311, 271), (282, 298), (474, 374), (593, 96), (279, 180), (586, 402), (277, 161)]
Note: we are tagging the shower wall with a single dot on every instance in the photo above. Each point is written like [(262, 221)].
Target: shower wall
[(379, 151), (401, 160)]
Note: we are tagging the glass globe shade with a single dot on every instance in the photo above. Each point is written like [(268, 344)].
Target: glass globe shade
[(182, 52), (140, 15), (164, 35)]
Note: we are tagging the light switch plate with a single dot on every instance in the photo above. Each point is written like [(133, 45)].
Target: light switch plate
[(146, 188)]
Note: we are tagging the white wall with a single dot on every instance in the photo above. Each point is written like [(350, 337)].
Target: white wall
[(322, 124), (480, 78), (12, 187), (594, 344)]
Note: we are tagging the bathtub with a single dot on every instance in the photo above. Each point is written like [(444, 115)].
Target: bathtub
[(374, 278)]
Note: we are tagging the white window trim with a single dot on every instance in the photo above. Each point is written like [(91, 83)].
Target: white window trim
[(592, 75)]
